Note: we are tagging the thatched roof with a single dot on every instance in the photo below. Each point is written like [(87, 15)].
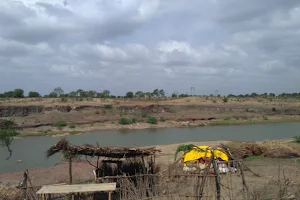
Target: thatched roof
[(111, 152)]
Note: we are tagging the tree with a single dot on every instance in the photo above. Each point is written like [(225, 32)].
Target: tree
[(9, 94), (18, 93), (156, 93), (272, 95), (33, 94), (139, 94), (253, 94), (59, 91), (73, 94), (7, 134), (52, 95), (91, 93), (174, 94), (83, 93), (106, 93), (129, 95), (2, 95), (162, 93)]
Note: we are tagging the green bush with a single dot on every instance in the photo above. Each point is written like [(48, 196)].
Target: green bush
[(265, 118), (144, 114), (227, 118), (245, 117), (125, 120), (133, 120), (151, 120), (72, 126), (108, 106), (60, 124), (296, 139), (225, 99), (162, 119)]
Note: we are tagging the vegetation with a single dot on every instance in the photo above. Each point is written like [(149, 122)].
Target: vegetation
[(34, 94), (7, 134), (184, 148), (108, 106), (162, 119), (72, 126), (225, 99), (60, 124), (129, 95), (296, 139), (125, 121), (151, 120)]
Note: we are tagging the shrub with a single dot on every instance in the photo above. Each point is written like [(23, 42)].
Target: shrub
[(125, 120), (108, 106), (296, 139), (245, 117), (144, 114), (97, 112), (265, 118), (214, 101), (72, 126), (60, 124), (133, 120), (151, 120), (225, 99), (162, 119), (274, 109)]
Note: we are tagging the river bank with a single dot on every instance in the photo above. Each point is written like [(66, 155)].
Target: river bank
[(113, 125)]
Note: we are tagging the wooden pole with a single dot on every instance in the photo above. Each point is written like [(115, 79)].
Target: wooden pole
[(217, 178), (70, 168), (109, 196)]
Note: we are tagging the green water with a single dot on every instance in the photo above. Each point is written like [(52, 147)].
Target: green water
[(32, 149)]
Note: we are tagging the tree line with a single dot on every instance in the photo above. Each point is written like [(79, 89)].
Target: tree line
[(59, 92)]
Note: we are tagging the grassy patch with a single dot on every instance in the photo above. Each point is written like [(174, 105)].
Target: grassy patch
[(72, 126), (227, 118), (125, 120), (252, 158), (265, 118), (162, 119), (296, 139), (60, 124), (108, 106), (151, 120)]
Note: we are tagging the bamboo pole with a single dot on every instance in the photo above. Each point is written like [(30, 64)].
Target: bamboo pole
[(217, 178)]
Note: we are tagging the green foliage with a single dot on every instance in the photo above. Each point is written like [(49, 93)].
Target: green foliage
[(227, 118), (274, 109), (144, 114), (18, 93), (139, 94), (58, 91), (72, 126), (108, 106), (296, 139), (129, 95), (245, 117), (225, 99), (151, 120), (6, 137), (265, 118), (125, 120), (60, 124), (33, 94), (174, 95), (184, 148), (162, 119), (133, 120)]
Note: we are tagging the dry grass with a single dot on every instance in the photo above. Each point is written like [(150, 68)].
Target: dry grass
[(8, 192)]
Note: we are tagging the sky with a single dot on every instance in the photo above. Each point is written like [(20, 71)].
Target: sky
[(233, 46)]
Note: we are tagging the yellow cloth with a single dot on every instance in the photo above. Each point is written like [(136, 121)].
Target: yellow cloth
[(204, 151)]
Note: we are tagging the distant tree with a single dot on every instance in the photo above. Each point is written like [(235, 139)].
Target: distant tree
[(100, 95), (106, 93), (9, 94), (156, 93), (246, 95), (253, 94), (174, 95), (129, 95), (2, 95), (52, 95), (183, 95), (33, 94), (73, 94), (139, 94), (230, 95), (83, 93), (91, 93), (272, 95), (18, 93), (59, 91), (162, 93)]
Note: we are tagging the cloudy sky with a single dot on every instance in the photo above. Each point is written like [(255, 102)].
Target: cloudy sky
[(234, 46)]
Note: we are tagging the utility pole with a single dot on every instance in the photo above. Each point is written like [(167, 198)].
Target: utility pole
[(192, 91)]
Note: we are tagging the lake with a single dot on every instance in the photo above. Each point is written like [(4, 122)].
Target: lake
[(32, 149)]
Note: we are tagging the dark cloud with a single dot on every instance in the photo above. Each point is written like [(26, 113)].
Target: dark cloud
[(142, 45)]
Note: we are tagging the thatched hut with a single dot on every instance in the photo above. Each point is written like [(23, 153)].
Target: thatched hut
[(111, 161)]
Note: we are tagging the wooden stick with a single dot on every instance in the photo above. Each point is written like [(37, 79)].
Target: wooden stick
[(109, 196)]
